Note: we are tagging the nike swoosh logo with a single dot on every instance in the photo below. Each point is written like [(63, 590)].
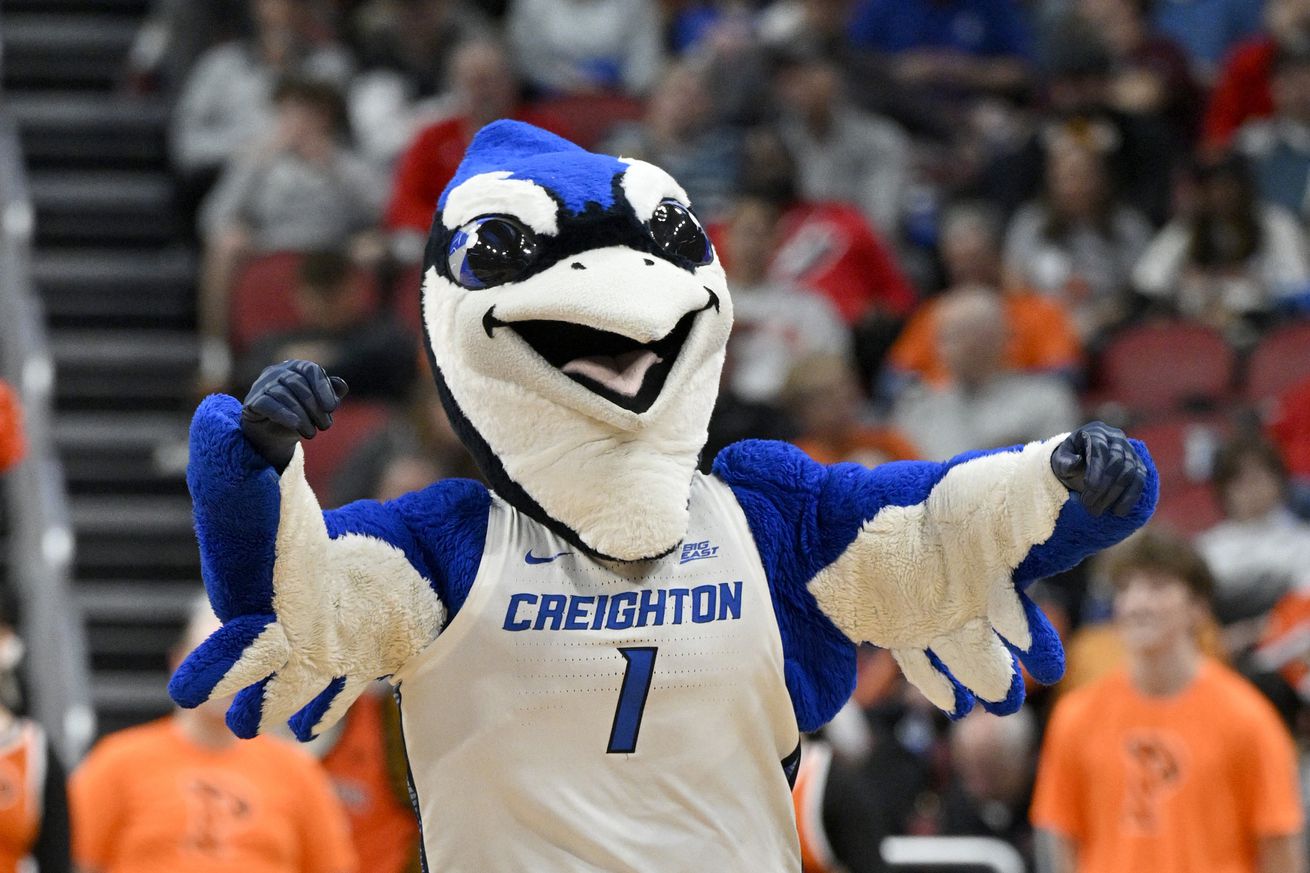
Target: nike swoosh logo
[(533, 559)]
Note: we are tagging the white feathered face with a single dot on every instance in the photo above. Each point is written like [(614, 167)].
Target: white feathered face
[(578, 334)]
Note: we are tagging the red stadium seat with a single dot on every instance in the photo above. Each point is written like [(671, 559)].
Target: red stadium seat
[(589, 118), (1279, 362), (354, 423), (1155, 369), (1183, 448), (263, 298), (405, 299)]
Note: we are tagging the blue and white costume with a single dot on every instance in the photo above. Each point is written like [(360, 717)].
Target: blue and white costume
[(605, 661)]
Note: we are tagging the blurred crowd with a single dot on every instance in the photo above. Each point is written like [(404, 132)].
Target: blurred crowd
[(947, 225)]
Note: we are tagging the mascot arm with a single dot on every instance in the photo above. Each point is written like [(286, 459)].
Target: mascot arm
[(929, 559), (314, 605)]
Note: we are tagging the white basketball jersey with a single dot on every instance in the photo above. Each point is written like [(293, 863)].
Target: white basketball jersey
[(583, 715)]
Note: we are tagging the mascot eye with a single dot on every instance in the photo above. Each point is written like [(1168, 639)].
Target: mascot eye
[(490, 251), (679, 234)]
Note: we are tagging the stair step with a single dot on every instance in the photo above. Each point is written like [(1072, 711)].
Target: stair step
[(100, 207), (129, 537), (117, 600), (122, 453), (112, 370), (50, 50), (83, 129), (130, 691), (117, 287)]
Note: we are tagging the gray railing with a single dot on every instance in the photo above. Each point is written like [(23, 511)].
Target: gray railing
[(40, 535)]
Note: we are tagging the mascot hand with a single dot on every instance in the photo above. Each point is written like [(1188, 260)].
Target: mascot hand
[(1099, 464), (289, 401)]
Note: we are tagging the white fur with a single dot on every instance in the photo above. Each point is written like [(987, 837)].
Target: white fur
[(352, 606), (496, 193), (939, 574), (618, 478), (645, 185)]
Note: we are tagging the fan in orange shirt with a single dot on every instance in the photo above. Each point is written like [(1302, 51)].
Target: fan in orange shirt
[(183, 793), (1172, 763), (1042, 337), (11, 428)]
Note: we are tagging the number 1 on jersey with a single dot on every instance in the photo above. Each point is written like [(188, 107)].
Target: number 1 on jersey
[(632, 698)]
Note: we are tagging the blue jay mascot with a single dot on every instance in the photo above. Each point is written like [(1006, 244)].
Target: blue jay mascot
[(606, 659)]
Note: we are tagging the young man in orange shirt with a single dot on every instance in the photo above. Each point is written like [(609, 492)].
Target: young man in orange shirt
[(1171, 763), (183, 793)]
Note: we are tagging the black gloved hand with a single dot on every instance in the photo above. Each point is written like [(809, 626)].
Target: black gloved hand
[(289, 401), (1099, 463)]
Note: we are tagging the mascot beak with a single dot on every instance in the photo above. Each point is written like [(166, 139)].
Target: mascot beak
[(614, 320)]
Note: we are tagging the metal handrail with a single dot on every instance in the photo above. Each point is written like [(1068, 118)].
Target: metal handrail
[(964, 851), (40, 535)]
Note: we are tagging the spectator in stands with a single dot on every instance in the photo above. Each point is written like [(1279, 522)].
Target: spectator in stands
[(1279, 147), (483, 89), (992, 760), (302, 190), (947, 46), (1150, 73), (226, 104), (985, 403), (174, 36), (1041, 337), (586, 46), (183, 793), (1082, 103), (363, 755), (775, 324), (1207, 29), (341, 330), (1243, 90), (825, 246), (12, 443), (823, 396), (680, 134), (1077, 242), (34, 811), (1260, 550), (842, 153), (405, 50), (1227, 257), (1172, 762)]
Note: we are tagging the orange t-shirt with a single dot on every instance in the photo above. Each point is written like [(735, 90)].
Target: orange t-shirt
[(12, 444), (1042, 338), (22, 781), (148, 800), (383, 825), (1167, 785)]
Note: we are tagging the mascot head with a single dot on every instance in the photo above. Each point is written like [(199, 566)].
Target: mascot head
[(576, 315)]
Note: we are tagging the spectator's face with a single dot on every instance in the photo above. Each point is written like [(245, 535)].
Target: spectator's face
[(809, 89), (1074, 180), (274, 14), (970, 255), (1291, 93), (767, 168), (404, 475), (1117, 22), (333, 308), (302, 121), (484, 80), (751, 240), (827, 17), (1154, 612), (992, 760), (199, 630), (971, 335), (1254, 492), (681, 102), (1289, 22), (1223, 195)]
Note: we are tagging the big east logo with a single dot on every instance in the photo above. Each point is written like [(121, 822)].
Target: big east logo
[(698, 551)]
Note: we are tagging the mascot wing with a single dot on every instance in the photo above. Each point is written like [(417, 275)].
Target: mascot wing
[(314, 605), (928, 560)]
